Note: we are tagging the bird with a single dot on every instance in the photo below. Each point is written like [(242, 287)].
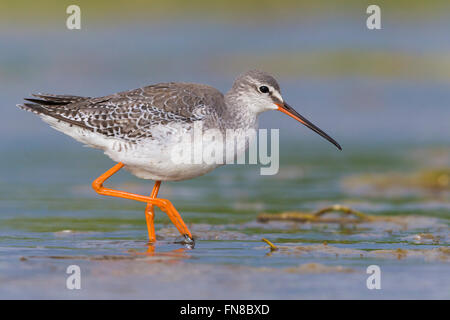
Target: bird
[(139, 129)]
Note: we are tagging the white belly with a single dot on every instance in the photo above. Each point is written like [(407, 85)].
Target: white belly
[(154, 158)]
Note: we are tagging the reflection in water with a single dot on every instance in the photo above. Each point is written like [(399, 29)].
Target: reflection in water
[(45, 177), (176, 254)]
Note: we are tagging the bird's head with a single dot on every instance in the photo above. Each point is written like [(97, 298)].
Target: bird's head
[(260, 92)]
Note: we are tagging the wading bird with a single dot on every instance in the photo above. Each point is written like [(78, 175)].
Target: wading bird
[(140, 128)]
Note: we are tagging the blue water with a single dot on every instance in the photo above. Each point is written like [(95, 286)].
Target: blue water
[(50, 218)]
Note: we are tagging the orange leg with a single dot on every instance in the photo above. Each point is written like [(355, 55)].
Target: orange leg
[(150, 214), (164, 204)]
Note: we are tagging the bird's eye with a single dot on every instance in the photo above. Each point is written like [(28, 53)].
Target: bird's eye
[(263, 89)]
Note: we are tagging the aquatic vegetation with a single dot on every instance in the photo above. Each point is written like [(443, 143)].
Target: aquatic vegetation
[(350, 61), (438, 234), (317, 268), (435, 254), (324, 250), (394, 193), (351, 216), (271, 245), (426, 180), (316, 216)]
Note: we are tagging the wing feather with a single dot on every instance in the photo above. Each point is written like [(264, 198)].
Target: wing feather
[(131, 115)]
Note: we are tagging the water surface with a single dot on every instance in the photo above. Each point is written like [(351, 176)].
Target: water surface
[(393, 126)]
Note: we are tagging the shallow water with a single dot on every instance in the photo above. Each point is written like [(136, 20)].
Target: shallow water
[(393, 128), (45, 227)]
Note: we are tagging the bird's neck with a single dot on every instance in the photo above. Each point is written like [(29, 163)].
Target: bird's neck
[(238, 113)]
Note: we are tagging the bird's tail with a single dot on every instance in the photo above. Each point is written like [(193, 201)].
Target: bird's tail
[(46, 102)]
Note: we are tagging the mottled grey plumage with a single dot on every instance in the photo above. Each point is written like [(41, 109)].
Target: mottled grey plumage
[(254, 77), (145, 129), (129, 115), (142, 127)]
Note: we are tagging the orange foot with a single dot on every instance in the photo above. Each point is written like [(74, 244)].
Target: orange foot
[(164, 204)]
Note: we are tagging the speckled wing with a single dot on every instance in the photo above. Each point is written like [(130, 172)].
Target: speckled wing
[(131, 115)]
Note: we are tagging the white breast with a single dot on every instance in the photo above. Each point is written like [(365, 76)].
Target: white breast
[(154, 158)]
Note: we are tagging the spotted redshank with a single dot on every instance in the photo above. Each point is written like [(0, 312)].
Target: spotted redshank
[(140, 128)]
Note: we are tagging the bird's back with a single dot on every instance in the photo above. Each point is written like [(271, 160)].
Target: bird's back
[(131, 115), (139, 127)]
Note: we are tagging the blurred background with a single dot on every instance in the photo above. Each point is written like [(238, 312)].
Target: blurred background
[(382, 94)]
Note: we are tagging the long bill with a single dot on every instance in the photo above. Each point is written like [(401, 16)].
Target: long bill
[(287, 109)]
